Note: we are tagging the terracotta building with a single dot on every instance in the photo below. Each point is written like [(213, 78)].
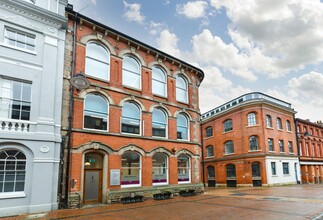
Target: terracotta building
[(135, 130), (310, 142), (250, 141)]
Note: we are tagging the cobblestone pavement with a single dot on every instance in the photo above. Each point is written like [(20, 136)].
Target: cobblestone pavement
[(282, 203)]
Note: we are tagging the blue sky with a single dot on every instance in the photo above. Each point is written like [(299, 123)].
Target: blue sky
[(271, 46)]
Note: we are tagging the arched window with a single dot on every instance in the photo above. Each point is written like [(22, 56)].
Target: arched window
[(95, 112), (131, 118), (12, 171), (160, 169), (253, 143), (182, 127), (184, 168), (288, 127), (279, 124), (131, 72), (228, 147), (181, 89), (231, 171), (227, 125), (209, 151), (159, 123), (269, 123), (159, 81), (131, 169), (97, 62), (252, 119), (209, 132)]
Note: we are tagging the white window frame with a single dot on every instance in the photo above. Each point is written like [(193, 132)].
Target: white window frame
[(166, 123), (279, 124), (164, 84), (187, 128), (225, 147), (140, 120), (189, 170), (167, 172), (131, 72), (269, 122), (107, 115), (252, 119), (140, 172), (182, 99), (16, 32)]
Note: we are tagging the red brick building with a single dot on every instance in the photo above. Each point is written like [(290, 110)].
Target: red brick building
[(250, 141), (135, 130), (310, 142)]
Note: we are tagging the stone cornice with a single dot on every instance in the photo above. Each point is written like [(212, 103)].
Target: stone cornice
[(34, 12)]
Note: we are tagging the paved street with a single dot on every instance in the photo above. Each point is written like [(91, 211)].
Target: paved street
[(289, 202)]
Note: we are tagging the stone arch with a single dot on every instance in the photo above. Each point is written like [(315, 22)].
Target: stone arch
[(131, 147), (17, 146), (93, 90), (160, 105), (159, 150), (185, 151), (96, 38), (135, 100), (132, 52), (186, 76), (161, 65), (93, 146), (185, 113)]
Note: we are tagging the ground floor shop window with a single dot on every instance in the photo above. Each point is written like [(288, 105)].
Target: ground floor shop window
[(184, 169), (131, 169), (160, 169)]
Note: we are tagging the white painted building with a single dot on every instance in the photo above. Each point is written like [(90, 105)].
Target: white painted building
[(32, 39)]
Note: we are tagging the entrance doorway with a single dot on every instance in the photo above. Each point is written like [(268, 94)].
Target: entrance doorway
[(92, 178), (256, 176), (210, 176)]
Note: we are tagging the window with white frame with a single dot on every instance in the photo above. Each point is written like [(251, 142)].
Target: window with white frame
[(12, 171), (209, 151), (182, 127), (97, 61), (160, 169), (281, 146), (252, 119), (159, 123), (131, 72), (253, 143), (279, 124), (270, 144), (184, 168), (15, 99), (285, 168), (131, 118), (273, 168), (228, 147), (288, 127), (19, 39), (228, 125), (181, 89), (269, 121), (159, 81), (290, 147), (130, 169), (95, 112)]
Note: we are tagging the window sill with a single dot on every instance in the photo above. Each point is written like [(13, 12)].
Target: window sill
[(281, 130), (158, 137), (11, 195), (250, 151), (132, 88), (97, 78), (290, 132), (270, 128), (274, 175), (186, 182), (282, 152), (132, 134), (229, 154), (160, 96), (130, 186), (272, 151), (97, 130), (182, 102), (19, 49), (292, 153), (208, 137), (285, 175), (209, 157), (250, 126), (225, 132)]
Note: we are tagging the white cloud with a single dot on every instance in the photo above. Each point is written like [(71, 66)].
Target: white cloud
[(192, 10), (287, 34), (133, 12), (155, 27), (167, 42)]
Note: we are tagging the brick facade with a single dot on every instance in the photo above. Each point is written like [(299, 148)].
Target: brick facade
[(310, 142), (111, 144), (243, 157)]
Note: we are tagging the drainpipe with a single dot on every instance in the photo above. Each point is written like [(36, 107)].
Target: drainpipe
[(297, 147), (61, 173), (203, 171), (70, 115)]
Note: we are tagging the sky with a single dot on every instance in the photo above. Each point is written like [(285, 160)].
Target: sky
[(269, 46)]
